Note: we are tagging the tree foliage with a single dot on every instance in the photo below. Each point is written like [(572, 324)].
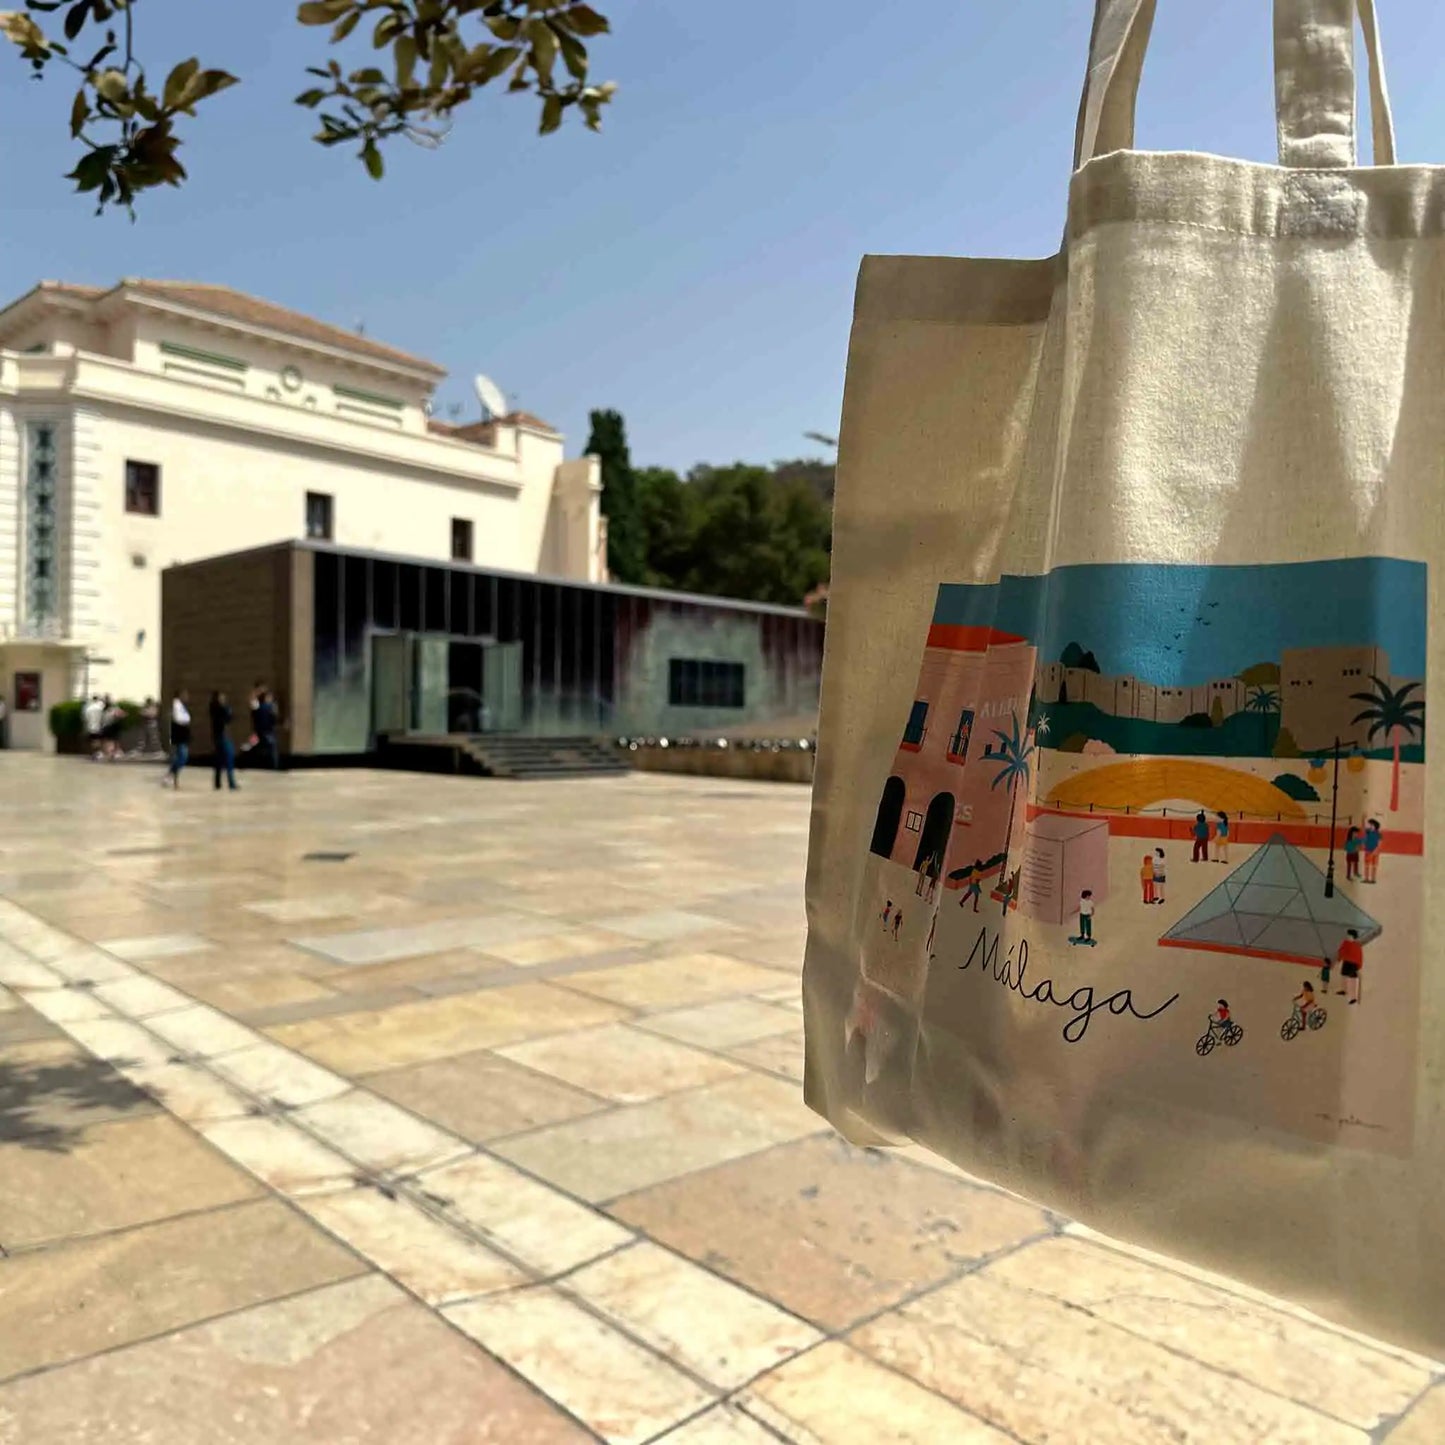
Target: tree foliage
[(607, 441), (430, 57)]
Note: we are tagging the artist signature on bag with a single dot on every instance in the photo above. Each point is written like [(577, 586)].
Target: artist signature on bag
[(1010, 969)]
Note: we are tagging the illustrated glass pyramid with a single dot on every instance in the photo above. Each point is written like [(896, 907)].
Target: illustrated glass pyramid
[(1273, 906)]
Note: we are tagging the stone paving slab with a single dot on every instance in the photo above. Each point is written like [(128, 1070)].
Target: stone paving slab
[(527, 1161)]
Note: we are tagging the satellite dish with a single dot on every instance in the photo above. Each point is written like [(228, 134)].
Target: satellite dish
[(492, 398)]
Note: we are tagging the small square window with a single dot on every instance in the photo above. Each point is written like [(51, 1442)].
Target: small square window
[(461, 540), (143, 489), (318, 517)]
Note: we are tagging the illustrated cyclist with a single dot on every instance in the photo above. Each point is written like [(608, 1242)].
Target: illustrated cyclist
[(1219, 1019), (1304, 1001)]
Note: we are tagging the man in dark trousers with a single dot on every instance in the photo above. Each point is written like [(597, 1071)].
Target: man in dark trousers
[(224, 751), (265, 720)]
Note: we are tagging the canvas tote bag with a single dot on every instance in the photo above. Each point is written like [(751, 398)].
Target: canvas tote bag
[(1121, 887)]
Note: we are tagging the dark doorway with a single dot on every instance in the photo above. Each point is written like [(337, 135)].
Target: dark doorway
[(936, 825), (890, 814)]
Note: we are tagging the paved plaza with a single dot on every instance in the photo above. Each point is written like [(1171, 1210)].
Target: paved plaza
[(362, 1106)]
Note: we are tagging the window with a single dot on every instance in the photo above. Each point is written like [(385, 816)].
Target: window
[(914, 822), (461, 540), (958, 743), (917, 728), (705, 684), (318, 516), (143, 489)]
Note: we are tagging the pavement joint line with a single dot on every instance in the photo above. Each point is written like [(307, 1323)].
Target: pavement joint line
[(418, 1199)]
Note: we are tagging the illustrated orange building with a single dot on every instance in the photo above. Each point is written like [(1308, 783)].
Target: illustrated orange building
[(957, 778)]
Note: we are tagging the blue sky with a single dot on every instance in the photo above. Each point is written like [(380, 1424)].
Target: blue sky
[(692, 266), (1186, 625)]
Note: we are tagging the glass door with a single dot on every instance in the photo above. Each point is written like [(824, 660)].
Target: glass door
[(502, 687), (429, 692), (390, 685)]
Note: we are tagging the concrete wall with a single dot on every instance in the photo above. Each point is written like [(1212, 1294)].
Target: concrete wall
[(236, 620), (793, 766)]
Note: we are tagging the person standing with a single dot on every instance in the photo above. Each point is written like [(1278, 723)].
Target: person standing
[(1373, 834), (1146, 877), (1353, 842), (1086, 915), (1201, 839), (224, 759), (180, 739), (266, 721), (1158, 875), (1221, 838), (112, 720), (92, 716), (151, 728)]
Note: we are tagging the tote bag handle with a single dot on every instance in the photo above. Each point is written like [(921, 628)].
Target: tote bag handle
[(1314, 81)]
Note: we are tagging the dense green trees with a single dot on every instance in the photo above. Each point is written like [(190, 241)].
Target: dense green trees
[(752, 532)]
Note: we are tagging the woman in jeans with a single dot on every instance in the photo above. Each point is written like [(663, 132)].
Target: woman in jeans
[(180, 739)]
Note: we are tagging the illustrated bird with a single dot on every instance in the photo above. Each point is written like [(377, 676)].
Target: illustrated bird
[(1211, 604)]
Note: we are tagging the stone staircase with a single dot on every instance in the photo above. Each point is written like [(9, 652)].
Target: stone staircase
[(501, 755)]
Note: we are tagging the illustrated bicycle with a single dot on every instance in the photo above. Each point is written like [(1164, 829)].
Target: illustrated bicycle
[(1292, 1027), (1220, 1032)]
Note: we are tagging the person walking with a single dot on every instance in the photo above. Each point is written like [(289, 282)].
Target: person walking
[(1201, 839), (180, 739), (1146, 877), (112, 720), (973, 889), (1373, 835), (1086, 915), (1221, 838), (1351, 958), (224, 759), (266, 721), (1353, 843)]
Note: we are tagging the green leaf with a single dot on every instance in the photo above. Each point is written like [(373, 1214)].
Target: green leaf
[(544, 48), (504, 27), (405, 56), (79, 112), (371, 158), (178, 81), (311, 97), (345, 26), (388, 26), (574, 53), (92, 168), (111, 85), (551, 114), (208, 82), (584, 20), (322, 12), (497, 63), (75, 18)]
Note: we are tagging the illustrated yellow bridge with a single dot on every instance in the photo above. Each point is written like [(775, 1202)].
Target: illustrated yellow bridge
[(1136, 785)]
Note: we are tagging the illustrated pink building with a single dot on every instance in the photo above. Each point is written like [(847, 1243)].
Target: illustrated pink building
[(948, 794)]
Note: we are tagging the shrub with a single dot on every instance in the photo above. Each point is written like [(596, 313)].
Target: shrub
[(1074, 743), (65, 719), (1296, 787), (1196, 720)]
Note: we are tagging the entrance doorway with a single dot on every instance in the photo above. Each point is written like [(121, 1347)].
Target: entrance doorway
[(431, 684)]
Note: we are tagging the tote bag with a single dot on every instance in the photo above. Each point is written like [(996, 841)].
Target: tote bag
[(1122, 886)]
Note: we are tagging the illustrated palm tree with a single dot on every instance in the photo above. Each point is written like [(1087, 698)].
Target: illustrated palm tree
[(1014, 752), (1264, 702), (1391, 713)]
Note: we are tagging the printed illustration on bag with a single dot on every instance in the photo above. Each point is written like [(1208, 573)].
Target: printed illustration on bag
[(1122, 791)]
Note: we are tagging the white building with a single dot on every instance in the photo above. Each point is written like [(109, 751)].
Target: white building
[(160, 422)]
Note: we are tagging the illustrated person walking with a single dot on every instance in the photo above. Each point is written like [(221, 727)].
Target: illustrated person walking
[(1146, 877), (1158, 875), (1201, 839), (1221, 838), (180, 739), (897, 924), (1352, 958), (1373, 835), (887, 914), (973, 889), (224, 759)]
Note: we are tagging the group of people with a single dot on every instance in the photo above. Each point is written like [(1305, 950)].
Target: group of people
[(1364, 843), (1201, 833), (265, 719), (104, 719)]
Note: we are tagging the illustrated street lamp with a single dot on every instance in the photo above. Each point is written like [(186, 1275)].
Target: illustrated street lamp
[(1334, 813)]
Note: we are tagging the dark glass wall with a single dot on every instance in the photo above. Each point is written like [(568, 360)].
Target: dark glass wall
[(590, 661)]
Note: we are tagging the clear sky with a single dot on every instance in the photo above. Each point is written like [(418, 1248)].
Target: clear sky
[(693, 265), (1174, 625)]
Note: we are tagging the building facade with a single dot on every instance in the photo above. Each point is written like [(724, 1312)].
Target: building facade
[(362, 647), (155, 423)]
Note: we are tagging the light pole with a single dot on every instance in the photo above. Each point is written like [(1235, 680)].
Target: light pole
[(1334, 813)]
